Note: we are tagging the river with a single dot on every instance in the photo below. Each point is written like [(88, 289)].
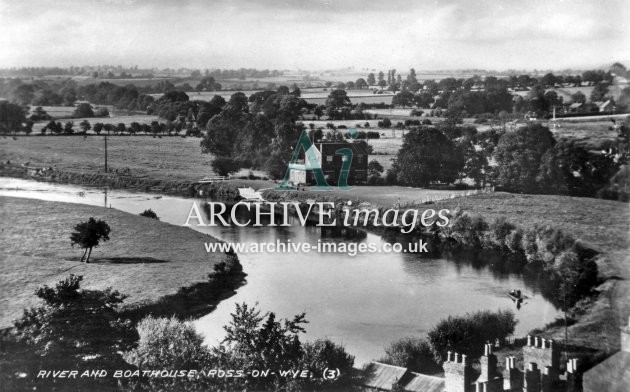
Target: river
[(363, 302)]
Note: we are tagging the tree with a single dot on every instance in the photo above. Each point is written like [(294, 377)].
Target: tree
[(599, 92), (403, 98), (411, 77), (224, 166), (258, 341), (475, 163), (462, 334), (39, 114), (412, 353), (324, 354), (120, 128), (11, 117), (83, 110), (337, 101), (88, 235), (76, 328), (170, 342), (578, 97), (375, 168), (68, 128), (360, 83), (85, 126), (98, 127), (371, 80), (426, 156), (23, 94), (569, 168), (519, 154), (385, 123)]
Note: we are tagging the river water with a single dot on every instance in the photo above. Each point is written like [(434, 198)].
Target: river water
[(363, 302)]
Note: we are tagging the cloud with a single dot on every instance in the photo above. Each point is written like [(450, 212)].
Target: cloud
[(313, 34)]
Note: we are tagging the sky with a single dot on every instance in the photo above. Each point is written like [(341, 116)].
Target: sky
[(315, 34)]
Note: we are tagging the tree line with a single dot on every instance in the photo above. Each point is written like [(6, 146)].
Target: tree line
[(528, 160)]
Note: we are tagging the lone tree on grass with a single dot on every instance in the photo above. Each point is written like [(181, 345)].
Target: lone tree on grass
[(88, 235)]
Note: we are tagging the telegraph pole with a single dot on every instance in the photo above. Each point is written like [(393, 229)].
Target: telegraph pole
[(105, 153)]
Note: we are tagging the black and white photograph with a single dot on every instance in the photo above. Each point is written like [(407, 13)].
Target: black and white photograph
[(315, 195)]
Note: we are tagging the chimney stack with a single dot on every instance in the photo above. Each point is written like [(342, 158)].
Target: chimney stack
[(532, 378)]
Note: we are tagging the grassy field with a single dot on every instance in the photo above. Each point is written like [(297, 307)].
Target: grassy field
[(603, 225), (167, 158), (590, 134), (145, 258)]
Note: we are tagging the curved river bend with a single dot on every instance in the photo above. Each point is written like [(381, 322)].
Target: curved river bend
[(363, 302)]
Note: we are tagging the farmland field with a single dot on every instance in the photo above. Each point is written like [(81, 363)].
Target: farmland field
[(167, 158), (312, 95), (590, 134)]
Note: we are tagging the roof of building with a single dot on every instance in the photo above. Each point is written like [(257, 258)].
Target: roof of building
[(423, 383), (612, 375), (382, 376)]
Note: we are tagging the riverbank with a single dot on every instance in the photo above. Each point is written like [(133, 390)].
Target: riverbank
[(601, 225), (168, 165), (161, 267)]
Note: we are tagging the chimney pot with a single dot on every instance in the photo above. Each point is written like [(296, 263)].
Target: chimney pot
[(529, 340), (464, 359), (449, 356), (456, 357), (544, 343), (536, 341)]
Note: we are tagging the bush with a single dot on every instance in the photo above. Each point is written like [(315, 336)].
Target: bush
[(76, 327), (465, 334), (168, 342), (376, 180), (501, 228), (149, 214), (391, 178), (412, 353), (322, 354), (385, 123)]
